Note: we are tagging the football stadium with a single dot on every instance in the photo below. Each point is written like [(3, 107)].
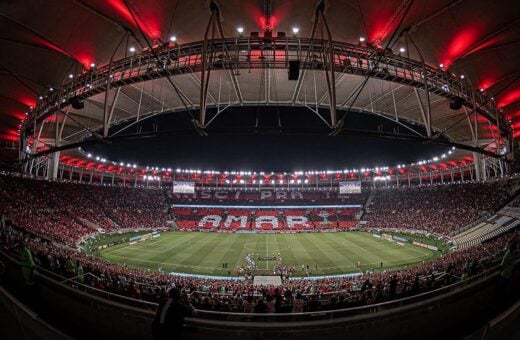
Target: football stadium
[(239, 169)]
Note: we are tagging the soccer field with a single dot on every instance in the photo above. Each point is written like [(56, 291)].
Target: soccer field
[(204, 253)]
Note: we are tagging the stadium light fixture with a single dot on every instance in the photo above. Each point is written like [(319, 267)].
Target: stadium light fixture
[(131, 49), (402, 49), (173, 38), (240, 29), (89, 155), (295, 30), (97, 158), (362, 39)]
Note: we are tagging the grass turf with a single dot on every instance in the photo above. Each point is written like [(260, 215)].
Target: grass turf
[(204, 253)]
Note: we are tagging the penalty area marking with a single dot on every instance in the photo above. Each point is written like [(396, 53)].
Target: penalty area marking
[(150, 250), (350, 243)]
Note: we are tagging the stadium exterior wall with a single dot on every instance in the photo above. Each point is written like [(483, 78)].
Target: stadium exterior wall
[(450, 315)]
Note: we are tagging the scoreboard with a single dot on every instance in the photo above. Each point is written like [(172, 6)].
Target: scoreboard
[(183, 187), (353, 187)]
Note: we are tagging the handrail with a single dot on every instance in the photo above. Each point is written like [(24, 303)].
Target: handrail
[(27, 311), (63, 280)]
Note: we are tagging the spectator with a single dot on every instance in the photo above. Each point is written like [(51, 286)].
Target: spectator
[(169, 319)]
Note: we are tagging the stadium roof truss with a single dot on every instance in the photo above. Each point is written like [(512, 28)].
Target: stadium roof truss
[(219, 72)]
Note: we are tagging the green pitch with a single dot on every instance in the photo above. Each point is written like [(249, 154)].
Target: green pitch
[(204, 253)]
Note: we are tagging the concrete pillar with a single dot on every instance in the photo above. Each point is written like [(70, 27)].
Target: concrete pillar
[(52, 165)]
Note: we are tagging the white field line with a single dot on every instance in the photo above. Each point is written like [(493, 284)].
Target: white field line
[(166, 263), (155, 251), (219, 269), (267, 251)]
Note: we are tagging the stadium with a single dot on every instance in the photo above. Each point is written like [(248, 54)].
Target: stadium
[(225, 169)]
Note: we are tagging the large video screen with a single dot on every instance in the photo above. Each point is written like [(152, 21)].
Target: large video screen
[(183, 187), (353, 187)]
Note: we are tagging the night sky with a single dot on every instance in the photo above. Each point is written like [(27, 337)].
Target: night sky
[(266, 139)]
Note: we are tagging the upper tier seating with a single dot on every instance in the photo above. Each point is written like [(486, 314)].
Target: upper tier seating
[(437, 209)]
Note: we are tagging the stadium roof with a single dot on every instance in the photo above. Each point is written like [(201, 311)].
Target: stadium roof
[(43, 43)]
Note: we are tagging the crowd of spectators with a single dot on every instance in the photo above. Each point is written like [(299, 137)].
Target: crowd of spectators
[(269, 197), (294, 295), (50, 217), (65, 212), (437, 209)]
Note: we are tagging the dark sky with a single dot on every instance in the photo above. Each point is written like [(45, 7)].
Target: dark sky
[(251, 139)]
